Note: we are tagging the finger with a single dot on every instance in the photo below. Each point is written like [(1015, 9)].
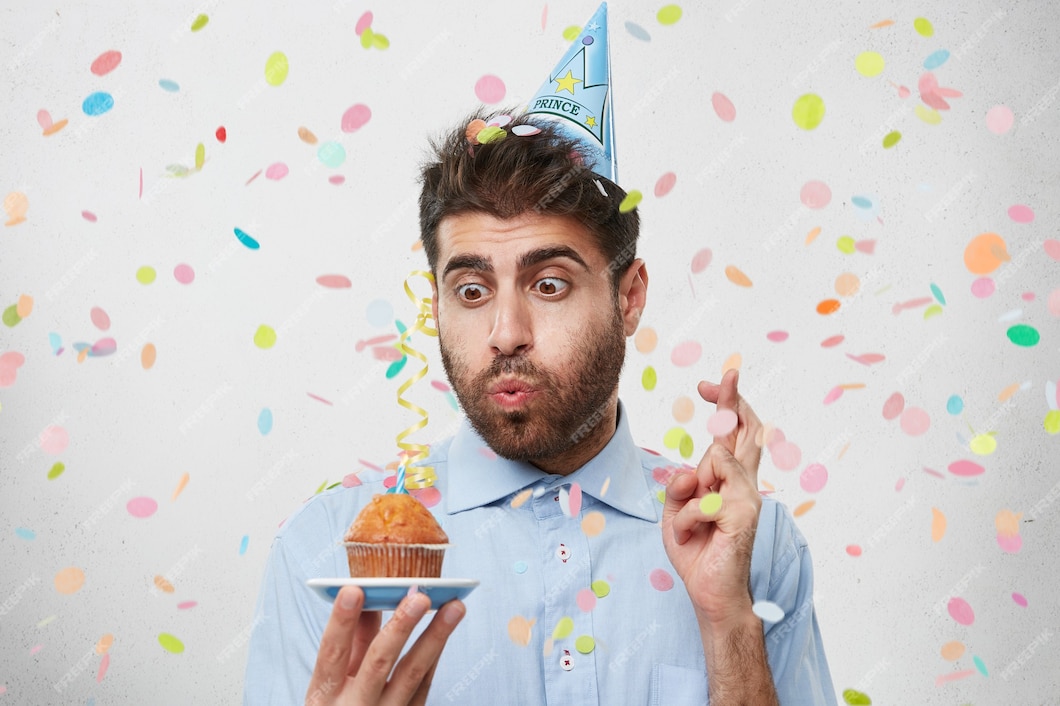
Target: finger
[(385, 649), (734, 504), (742, 442), (726, 397), (367, 629), (412, 676), (679, 489), (333, 657)]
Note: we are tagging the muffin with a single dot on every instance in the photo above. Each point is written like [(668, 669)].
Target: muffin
[(395, 536)]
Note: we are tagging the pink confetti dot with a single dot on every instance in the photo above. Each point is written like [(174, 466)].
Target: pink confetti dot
[(1054, 302), (105, 62), (832, 341), (966, 468), (1028, 296), (489, 89), (786, 455), (915, 421), (356, 117), (336, 179), (701, 260), (665, 184), (276, 171), (777, 336), (834, 394), (99, 318), (999, 119), (1010, 544), (428, 496), (575, 503), (661, 580), (685, 354), (141, 507), (1019, 599), (813, 478), (586, 600), (721, 422), (88, 216), (187, 604), (815, 194), (54, 440), (854, 550), (1021, 213), (961, 611), (184, 273), (363, 23), (893, 406), (1052, 248), (723, 107), (351, 480), (983, 287), (334, 281)]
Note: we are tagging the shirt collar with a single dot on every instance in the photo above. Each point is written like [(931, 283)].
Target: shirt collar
[(476, 476)]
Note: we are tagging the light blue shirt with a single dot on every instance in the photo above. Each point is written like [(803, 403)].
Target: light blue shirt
[(533, 562)]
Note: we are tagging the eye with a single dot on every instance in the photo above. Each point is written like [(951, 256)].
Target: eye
[(471, 292), (550, 286)]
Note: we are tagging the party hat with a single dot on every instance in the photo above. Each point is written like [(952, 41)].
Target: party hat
[(578, 95)]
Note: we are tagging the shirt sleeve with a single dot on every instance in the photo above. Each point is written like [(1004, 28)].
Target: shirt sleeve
[(289, 618), (794, 646)]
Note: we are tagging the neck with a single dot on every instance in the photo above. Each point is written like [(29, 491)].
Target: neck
[(584, 449)]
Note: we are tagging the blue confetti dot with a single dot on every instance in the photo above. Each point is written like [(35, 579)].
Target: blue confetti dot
[(243, 544), (247, 240), (265, 421), (451, 399), (380, 313), (520, 567), (954, 405), (979, 665), (168, 85), (938, 294), (25, 533), (861, 201), (56, 342), (97, 103), (936, 59), (638, 32), (396, 367), (331, 154)]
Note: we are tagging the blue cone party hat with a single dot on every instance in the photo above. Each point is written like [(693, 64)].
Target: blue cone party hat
[(578, 95)]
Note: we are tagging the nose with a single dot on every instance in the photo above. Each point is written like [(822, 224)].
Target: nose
[(512, 332)]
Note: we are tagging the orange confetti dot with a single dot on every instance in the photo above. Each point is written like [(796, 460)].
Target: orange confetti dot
[(684, 409), (646, 340), (1008, 523), (104, 644), (985, 253), (417, 245), (520, 629), (148, 355), (24, 306), (163, 585), (847, 284), (1008, 392), (812, 235), (82, 355), (952, 651), (522, 497), (306, 136), (69, 580), (852, 385), (180, 486), (804, 508), (828, 306), (733, 362), (593, 523), (736, 276), (938, 524), (881, 24)]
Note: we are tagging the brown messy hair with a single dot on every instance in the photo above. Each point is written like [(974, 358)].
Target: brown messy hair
[(541, 173)]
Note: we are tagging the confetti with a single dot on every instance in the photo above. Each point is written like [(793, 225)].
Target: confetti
[(184, 273), (355, 117), (245, 542), (815, 194), (710, 503), (737, 277), (891, 139), (808, 111), (1019, 600), (915, 421), (104, 644), (966, 469), (148, 355), (181, 484), (637, 31), (146, 274), (69, 581), (960, 611), (723, 107), (668, 14), (168, 85), (520, 630), (686, 354), (648, 378), (938, 524), (1021, 213), (585, 644), (106, 62), (276, 171), (803, 508), (199, 23), (600, 588), (141, 507), (923, 27), (952, 651), (563, 628), (97, 104), (768, 611), (813, 478), (170, 643), (276, 68), (721, 422), (586, 600), (645, 340), (665, 185), (661, 580), (54, 439), (490, 89), (331, 154), (828, 306), (265, 337), (856, 698), (593, 523), (999, 119), (630, 201), (869, 64), (56, 471), (1023, 335)]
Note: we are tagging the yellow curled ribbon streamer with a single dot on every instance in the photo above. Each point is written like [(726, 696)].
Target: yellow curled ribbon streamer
[(416, 476)]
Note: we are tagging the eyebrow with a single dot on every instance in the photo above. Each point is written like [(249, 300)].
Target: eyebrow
[(478, 263)]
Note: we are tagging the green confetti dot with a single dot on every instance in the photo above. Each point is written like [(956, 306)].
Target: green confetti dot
[(869, 63), (490, 134), (660, 495), (367, 38), (170, 643), (808, 111), (56, 471), (856, 698), (648, 379), (146, 275), (331, 154), (11, 316), (600, 587), (630, 202), (265, 337), (572, 32), (1024, 335), (891, 139), (379, 41), (564, 628), (1052, 421), (672, 438), (585, 644), (710, 503), (395, 367), (669, 15), (933, 310), (686, 447), (845, 245), (199, 23), (276, 68), (923, 27)]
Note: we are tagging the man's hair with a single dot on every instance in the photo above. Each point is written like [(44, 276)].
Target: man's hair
[(520, 174)]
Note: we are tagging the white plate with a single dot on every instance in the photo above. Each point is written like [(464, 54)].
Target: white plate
[(386, 593)]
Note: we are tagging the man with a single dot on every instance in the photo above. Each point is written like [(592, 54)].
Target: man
[(543, 494)]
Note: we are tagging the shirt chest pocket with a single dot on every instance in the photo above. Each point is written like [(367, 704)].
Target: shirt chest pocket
[(678, 686)]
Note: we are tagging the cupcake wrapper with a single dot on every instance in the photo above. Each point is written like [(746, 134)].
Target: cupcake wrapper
[(395, 560)]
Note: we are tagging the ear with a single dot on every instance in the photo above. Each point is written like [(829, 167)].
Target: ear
[(632, 295), (434, 301)]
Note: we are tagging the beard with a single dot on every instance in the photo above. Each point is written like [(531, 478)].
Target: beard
[(570, 403)]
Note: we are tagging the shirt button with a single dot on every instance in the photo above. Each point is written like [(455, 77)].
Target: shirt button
[(563, 553), (566, 662)]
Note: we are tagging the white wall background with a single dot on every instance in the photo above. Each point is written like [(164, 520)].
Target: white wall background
[(135, 432)]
